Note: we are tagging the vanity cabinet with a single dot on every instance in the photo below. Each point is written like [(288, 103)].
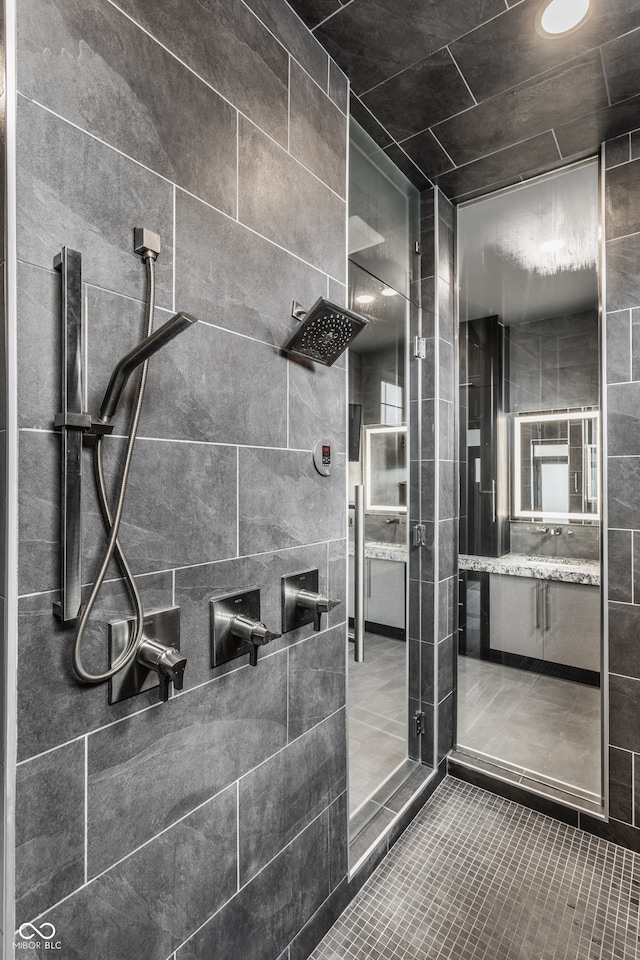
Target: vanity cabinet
[(384, 593), (514, 615), (546, 619)]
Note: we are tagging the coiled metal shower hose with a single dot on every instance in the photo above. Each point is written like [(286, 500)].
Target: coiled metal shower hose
[(112, 523)]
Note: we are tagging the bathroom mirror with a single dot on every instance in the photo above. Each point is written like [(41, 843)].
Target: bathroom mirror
[(385, 469), (555, 466)]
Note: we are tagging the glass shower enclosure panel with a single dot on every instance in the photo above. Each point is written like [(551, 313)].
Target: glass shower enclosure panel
[(381, 209)]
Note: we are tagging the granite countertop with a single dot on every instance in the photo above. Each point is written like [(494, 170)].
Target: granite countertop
[(383, 551), (568, 570)]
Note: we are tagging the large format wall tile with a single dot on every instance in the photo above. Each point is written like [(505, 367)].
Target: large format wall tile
[(284, 502), (620, 60), (281, 201), (223, 43), (196, 586), (278, 799), (416, 30), (530, 54), (623, 256), (316, 405), (148, 904), (318, 137), (443, 92), (623, 200), (261, 920), (39, 341), (578, 87), (92, 65), (624, 721), (97, 219), (49, 829), (212, 386), (285, 25), (493, 169), (234, 278), (53, 707), (153, 768), (189, 523), (317, 679)]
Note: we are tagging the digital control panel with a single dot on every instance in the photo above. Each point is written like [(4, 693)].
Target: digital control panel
[(322, 457)]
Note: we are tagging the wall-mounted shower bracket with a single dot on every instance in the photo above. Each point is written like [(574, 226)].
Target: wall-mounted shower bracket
[(161, 627), (236, 628)]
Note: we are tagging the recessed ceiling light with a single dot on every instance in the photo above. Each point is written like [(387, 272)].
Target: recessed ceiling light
[(388, 292), (365, 298), (559, 17), (550, 246)]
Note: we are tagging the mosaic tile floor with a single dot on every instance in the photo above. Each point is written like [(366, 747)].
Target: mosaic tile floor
[(476, 877)]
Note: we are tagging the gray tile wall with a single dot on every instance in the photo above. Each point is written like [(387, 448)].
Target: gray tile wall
[(434, 495), (219, 818), (622, 179), (554, 363)]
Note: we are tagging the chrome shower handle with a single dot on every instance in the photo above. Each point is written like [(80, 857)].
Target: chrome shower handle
[(166, 661)]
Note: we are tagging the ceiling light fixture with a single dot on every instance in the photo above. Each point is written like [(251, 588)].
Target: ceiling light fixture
[(557, 18), (365, 298), (550, 246), (388, 292)]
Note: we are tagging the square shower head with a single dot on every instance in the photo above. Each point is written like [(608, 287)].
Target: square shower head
[(325, 331)]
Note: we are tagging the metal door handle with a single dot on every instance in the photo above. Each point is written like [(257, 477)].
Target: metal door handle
[(358, 578), (537, 605), (547, 608)]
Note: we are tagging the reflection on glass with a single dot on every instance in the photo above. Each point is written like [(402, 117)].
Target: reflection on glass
[(529, 706), (385, 470), (555, 464)]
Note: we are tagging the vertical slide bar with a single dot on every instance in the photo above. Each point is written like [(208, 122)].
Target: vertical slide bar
[(358, 611), (71, 422)]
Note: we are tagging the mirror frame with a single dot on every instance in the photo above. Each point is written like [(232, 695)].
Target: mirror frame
[(517, 512), (370, 507)]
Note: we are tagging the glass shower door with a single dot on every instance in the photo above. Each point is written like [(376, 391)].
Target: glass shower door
[(377, 669)]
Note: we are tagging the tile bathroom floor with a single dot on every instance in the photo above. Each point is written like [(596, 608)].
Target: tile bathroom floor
[(377, 716), (476, 877), (544, 728)]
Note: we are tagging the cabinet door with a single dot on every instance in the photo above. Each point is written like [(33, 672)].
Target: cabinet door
[(572, 625), (514, 615), (385, 593)]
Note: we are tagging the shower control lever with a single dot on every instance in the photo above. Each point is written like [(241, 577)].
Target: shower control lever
[(166, 661), (253, 632), (302, 602), (317, 603)]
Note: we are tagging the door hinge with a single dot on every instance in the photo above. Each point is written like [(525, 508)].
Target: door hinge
[(419, 535), (419, 348), (419, 724)]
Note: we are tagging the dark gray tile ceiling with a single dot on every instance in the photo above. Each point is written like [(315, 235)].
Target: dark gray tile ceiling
[(466, 93)]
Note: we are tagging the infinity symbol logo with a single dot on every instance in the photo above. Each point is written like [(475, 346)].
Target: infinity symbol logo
[(25, 933)]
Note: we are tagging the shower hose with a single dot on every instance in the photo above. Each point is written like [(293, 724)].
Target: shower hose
[(112, 522)]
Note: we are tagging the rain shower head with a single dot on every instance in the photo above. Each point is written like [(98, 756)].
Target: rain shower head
[(145, 349), (325, 332)]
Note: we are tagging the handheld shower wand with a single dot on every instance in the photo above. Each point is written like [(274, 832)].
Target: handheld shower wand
[(139, 356)]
